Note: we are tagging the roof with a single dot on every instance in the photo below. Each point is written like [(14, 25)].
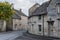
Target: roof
[(41, 10), (21, 13), (57, 1), (33, 8), (16, 15)]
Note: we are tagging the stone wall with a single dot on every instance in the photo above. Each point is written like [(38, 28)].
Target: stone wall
[(20, 24), (2, 25), (35, 29), (16, 24), (24, 22)]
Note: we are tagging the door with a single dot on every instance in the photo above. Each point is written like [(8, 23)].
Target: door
[(50, 29)]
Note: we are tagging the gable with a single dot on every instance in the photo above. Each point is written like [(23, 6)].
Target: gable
[(52, 8), (33, 8), (16, 15), (42, 9)]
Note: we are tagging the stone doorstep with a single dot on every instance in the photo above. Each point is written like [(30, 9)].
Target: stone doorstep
[(40, 36)]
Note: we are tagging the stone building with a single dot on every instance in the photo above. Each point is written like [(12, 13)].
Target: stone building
[(14, 23), (23, 21), (2, 25), (41, 18), (18, 22)]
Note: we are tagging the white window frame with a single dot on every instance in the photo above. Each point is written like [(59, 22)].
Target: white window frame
[(40, 28)]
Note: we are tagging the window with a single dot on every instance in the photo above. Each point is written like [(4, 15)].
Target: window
[(39, 17), (15, 25), (19, 18), (39, 27), (19, 24), (32, 24)]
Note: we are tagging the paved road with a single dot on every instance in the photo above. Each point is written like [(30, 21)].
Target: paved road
[(10, 35), (29, 38), (26, 36), (18, 35)]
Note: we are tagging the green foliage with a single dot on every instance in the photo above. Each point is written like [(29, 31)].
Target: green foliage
[(6, 10)]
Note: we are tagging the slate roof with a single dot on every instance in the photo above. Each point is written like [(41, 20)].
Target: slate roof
[(41, 10), (57, 1), (21, 13), (16, 15), (33, 8)]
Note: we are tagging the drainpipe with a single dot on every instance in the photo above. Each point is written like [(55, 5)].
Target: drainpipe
[(43, 25)]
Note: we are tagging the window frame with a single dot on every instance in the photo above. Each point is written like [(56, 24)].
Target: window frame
[(39, 17), (39, 28), (15, 25), (32, 25), (19, 24)]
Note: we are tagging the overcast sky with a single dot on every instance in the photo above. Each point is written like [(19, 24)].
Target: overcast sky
[(24, 4)]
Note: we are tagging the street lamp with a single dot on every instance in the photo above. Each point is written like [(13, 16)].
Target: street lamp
[(50, 26)]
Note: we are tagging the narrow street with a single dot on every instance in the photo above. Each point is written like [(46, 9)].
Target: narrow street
[(27, 36), (18, 35), (10, 35)]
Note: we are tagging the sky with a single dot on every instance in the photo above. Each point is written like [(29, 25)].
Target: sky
[(24, 4)]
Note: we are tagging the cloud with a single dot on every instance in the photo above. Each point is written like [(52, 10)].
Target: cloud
[(24, 4)]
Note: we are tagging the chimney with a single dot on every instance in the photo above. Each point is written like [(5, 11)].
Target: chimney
[(50, 0), (20, 10)]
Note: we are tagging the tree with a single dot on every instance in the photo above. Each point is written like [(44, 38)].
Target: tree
[(6, 10)]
